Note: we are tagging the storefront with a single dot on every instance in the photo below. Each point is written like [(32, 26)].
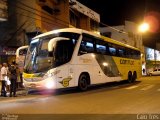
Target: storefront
[(7, 54), (152, 59)]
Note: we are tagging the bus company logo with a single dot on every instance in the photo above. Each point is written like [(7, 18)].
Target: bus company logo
[(65, 82), (128, 62)]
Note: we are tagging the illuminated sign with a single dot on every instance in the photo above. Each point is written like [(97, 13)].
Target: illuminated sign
[(152, 54), (7, 51), (85, 10), (3, 10)]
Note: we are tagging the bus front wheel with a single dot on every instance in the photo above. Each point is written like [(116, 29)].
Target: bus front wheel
[(83, 82)]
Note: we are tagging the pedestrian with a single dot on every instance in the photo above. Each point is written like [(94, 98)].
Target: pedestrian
[(144, 71), (0, 76), (18, 77), (3, 77), (7, 79), (13, 78)]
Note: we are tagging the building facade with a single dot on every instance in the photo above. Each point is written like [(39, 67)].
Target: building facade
[(28, 18), (127, 33)]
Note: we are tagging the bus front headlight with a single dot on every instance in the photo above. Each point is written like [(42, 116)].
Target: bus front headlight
[(50, 84)]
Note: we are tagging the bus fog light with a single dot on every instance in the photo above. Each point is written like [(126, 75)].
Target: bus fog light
[(49, 84)]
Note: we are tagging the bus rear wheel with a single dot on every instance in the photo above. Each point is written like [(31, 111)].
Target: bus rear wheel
[(83, 82), (129, 76)]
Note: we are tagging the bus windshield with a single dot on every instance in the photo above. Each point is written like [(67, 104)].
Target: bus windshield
[(38, 58)]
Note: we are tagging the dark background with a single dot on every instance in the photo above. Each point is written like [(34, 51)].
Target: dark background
[(115, 12)]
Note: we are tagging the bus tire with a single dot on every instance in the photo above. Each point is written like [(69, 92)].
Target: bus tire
[(134, 76), (83, 82), (129, 76)]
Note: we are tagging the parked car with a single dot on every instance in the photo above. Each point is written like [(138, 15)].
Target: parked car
[(154, 72)]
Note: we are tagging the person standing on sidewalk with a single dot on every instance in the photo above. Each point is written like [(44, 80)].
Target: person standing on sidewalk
[(13, 78), (3, 75), (18, 77), (0, 77)]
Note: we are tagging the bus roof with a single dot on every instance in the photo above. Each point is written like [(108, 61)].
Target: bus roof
[(118, 43), (80, 31), (75, 30)]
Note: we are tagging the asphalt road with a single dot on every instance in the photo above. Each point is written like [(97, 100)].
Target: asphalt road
[(141, 97)]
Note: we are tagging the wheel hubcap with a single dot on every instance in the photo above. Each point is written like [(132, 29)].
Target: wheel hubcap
[(83, 82)]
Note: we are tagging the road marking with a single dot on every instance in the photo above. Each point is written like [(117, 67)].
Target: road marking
[(132, 87), (148, 87)]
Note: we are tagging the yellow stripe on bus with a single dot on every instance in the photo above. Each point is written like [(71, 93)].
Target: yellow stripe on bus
[(25, 75)]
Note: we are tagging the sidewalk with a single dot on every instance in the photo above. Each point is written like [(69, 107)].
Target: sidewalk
[(19, 92)]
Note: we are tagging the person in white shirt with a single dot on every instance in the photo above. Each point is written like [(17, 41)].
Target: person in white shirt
[(3, 75)]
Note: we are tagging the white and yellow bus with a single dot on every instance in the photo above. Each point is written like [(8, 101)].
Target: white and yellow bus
[(77, 58)]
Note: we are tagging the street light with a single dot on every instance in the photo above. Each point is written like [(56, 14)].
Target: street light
[(143, 27)]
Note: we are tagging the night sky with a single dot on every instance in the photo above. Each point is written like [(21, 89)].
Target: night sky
[(115, 12)]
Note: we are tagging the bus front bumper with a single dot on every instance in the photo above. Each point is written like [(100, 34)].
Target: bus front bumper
[(49, 83)]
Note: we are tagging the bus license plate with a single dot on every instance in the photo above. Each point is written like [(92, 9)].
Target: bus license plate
[(32, 85)]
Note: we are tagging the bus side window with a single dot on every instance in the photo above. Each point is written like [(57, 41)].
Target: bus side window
[(87, 45), (112, 50), (121, 53), (136, 54), (101, 48), (128, 53), (63, 51)]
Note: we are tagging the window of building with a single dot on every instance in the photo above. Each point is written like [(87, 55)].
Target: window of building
[(74, 19), (94, 25)]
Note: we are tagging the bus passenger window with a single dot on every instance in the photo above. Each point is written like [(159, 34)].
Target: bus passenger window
[(86, 46), (128, 53), (89, 47), (63, 52), (112, 51), (121, 53), (101, 49)]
